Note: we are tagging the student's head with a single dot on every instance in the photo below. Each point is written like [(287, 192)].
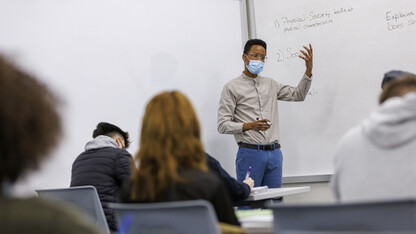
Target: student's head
[(30, 125), (392, 75), (170, 141), (110, 130), (398, 87)]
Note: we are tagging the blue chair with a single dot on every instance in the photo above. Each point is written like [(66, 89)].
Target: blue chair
[(194, 216), (84, 197), (380, 216)]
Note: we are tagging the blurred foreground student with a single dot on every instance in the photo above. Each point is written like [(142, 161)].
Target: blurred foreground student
[(376, 160), (30, 127), (172, 161), (106, 165)]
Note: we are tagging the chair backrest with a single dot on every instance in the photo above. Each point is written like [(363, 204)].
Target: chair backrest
[(381, 216), (194, 216), (84, 197)]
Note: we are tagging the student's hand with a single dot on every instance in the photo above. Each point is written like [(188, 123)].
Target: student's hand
[(249, 182), (259, 125), (119, 143), (308, 57)]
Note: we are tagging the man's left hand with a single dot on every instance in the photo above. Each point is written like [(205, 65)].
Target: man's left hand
[(308, 57)]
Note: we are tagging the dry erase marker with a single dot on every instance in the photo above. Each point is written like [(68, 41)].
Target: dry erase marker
[(248, 172), (267, 122)]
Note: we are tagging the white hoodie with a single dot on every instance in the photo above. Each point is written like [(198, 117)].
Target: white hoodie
[(377, 159)]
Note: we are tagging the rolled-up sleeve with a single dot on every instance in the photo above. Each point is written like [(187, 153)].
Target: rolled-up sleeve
[(298, 93), (225, 121)]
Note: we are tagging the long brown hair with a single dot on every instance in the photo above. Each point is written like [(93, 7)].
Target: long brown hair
[(170, 141), (398, 87)]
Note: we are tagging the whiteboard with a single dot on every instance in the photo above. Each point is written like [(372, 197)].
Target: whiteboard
[(107, 58), (355, 42)]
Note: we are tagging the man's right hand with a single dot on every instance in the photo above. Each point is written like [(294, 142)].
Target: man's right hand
[(259, 125), (249, 182)]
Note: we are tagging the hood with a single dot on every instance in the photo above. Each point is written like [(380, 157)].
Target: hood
[(101, 141), (394, 123)]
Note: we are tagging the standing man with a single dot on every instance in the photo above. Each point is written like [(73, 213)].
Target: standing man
[(106, 165), (248, 109)]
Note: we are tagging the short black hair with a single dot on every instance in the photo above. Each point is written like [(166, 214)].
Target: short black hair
[(398, 87), (252, 42), (392, 75), (108, 129)]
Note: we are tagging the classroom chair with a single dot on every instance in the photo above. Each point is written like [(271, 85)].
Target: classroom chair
[(366, 217), (194, 216), (84, 197)]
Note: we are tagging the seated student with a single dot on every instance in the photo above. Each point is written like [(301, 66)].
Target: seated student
[(376, 160), (106, 165), (172, 161), (30, 127), (237, 189)]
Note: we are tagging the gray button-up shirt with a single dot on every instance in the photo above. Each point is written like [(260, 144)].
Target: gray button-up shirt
[(244, 99)]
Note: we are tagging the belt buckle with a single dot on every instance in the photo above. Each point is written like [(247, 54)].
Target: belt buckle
[(270, 147)]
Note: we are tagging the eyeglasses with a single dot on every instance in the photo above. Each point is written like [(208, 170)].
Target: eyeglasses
[(256, 56)]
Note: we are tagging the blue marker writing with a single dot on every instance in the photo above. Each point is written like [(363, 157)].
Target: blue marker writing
[(248, 172)]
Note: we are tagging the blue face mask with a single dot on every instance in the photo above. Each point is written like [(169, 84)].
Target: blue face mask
[(255, 66)]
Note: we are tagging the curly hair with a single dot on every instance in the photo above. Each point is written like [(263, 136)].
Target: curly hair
[(29, 122), (170, 142), (398, 87)]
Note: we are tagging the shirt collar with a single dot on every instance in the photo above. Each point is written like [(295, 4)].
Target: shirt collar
[(258, 78)]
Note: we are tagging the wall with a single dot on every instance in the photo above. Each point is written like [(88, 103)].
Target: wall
[(107, 58), (320, 193)]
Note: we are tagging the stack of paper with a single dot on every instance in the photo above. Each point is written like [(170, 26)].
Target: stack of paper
[(256, 220), (259, 189)]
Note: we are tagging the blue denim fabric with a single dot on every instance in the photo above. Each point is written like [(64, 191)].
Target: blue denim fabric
[(266, 166)]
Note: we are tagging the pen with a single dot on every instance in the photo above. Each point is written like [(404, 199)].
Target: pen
[(126, 221), (267, 122), (248, 172)]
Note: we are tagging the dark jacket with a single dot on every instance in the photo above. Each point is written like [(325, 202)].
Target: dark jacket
[(237, 189), (106, 167), (202, 185)]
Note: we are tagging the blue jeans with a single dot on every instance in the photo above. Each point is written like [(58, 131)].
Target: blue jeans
[(266, 166)]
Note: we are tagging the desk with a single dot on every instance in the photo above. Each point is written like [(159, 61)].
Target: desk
[(256, 221), (258, 200), (277, 192)]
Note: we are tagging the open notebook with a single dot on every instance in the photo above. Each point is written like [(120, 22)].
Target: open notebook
[(260, 189)]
